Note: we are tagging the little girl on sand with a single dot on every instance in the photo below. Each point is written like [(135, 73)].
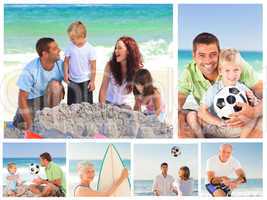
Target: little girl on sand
[(146, 94)]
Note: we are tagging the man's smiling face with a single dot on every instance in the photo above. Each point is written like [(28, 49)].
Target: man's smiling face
[(206, 57)]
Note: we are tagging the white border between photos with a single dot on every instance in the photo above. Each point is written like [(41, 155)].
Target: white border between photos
[(146, 141)]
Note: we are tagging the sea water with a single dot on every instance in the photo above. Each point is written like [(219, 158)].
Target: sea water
[(149, 25)]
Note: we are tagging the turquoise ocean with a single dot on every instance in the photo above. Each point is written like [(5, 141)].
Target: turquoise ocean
[(150, 25), (254, 58), (144, 187)]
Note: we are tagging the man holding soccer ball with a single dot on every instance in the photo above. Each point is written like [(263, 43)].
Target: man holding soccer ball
[(201, 74), (55, 184)]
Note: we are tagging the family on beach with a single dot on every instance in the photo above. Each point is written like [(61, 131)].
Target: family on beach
[(165, 185), (40, 83), (211, 70), (53, 185)]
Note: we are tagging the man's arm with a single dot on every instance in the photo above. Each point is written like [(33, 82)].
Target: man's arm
[(66, 69), (257, 89), (155, 188), (215, 179), (241, 177), (56, 182), (207, 117), (181, 115), (247, 113), (24, 108)]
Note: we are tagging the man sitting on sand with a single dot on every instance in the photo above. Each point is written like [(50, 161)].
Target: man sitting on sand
[(39, 83), (55, 184), (219, 169), (163, 183)]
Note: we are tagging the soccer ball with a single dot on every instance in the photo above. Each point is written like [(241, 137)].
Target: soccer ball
[(225, 101), (175, 151), (34, 169)]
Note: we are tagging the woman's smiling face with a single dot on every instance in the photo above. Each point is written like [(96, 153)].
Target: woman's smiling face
[(121, 51)]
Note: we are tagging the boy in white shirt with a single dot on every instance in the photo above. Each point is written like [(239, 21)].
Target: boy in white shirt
[(79, 65)]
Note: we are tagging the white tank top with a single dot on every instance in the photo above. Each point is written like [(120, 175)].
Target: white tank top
[(118, 94)]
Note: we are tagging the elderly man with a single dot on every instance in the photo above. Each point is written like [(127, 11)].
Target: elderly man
[(219, 170), (39, 83)]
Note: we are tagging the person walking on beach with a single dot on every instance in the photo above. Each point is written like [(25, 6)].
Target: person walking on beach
[(199, 75), (55, 184), (79, 65), (163, 183), (117, 83), (86, 171), (39, 83), (220, 168)]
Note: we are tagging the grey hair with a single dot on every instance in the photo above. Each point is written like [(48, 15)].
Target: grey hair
[(83, 165), (226, 145)]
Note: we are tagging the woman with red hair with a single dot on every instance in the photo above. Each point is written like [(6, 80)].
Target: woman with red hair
[(117, 83)]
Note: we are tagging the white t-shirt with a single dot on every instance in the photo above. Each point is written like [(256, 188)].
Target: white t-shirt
[(118, 94), (164, 185), (184, 188), (79, 63), (223, 169)]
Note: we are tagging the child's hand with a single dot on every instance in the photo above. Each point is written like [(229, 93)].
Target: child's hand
[(91, 86), (66, 78)]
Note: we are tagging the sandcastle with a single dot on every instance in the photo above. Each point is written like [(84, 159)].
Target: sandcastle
[(86, 120)]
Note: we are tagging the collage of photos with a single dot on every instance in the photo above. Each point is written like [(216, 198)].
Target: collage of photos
[(132, 100)]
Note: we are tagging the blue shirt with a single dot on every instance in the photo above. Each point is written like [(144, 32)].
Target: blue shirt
[(34, 78)]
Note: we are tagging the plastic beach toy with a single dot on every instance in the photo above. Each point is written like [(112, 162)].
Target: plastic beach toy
[(99, 136), (31, 135)]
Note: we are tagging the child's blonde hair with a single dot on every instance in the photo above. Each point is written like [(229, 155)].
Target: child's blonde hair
[(10, 165), (231, 55), (77, 29)]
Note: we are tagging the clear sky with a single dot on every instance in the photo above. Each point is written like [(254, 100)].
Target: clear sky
[(148, 157), (248, 154), (33, 150), (96, 151), (236, 26)]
